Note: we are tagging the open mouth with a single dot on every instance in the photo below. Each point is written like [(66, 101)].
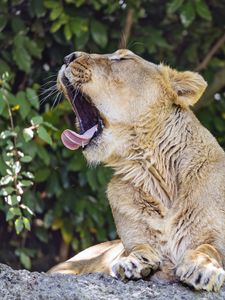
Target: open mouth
[(88, 116)]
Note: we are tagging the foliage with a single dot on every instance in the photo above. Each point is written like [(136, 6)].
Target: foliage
[(51, 203), (26, 162)]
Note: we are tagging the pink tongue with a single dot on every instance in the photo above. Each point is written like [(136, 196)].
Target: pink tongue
[(73, 140)]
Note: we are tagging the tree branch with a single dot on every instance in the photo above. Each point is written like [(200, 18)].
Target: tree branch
[(217, 84), (63, 251), (127, 28), (210, 54)]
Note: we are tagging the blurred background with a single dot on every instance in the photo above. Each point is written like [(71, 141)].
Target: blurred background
[(51, 204)]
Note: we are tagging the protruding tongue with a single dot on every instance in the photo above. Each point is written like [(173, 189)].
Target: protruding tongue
[(73, 140)]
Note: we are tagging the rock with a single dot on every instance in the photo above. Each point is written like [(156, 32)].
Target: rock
[(27, 285)]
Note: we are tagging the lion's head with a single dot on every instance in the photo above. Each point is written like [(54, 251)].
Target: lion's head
[(109, 93)]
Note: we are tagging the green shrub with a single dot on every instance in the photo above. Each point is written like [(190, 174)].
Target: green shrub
[(44, 184)]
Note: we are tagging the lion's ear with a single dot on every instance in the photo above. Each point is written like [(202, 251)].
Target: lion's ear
[(189, 86)]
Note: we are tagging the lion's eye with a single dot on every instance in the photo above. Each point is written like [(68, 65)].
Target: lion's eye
[(119, 58)]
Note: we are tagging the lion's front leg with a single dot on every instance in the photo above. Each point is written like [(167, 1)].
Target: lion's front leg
[(138, 264), (139, 239), (202, 268)]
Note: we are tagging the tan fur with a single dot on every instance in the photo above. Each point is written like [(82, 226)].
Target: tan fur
[(167, 194)]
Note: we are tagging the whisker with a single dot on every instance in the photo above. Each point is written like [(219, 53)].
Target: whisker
[(53, 75), (50, 89), (49, 79), (45, 90), (56, 100), (47, 86), (46, 83), (48, 96)]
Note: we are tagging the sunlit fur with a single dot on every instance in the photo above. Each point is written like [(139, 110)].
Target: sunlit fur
[(168, 191)]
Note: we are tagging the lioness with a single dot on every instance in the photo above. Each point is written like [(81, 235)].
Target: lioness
[(168, 191)]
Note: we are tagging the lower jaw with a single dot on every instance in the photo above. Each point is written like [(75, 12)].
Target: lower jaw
[(92, 143)]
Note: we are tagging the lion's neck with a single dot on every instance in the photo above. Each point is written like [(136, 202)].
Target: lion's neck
[(151, 162)]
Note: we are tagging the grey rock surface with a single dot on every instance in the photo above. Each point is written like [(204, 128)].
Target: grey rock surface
[(27, 285)]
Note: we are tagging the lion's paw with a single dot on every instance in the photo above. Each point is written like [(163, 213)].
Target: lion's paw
[(130, 268), (134, 267), (203, 273)]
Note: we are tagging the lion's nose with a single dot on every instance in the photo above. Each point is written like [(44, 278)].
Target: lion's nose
[(69, 58)]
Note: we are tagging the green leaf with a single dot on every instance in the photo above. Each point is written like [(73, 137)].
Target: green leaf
[(12, 212), (12, 99), (23, 103), (42, 174), (32, 47), (48, 219), (81, 40), (37, 120), (79, 26), (28, 175), (38, 8), (7, 133), (2, 101), (13, 199), (26, 223), (99, 33), (103, 175), (67, 32), (19, 225), (9, 171), (28, 134), (173, 6), (6, 179), (3, 167), (25, 260), (49, 125), (77, 163), (3, 22), (20, 54), (4, 67), (32, 97), (25, 207), (75, 244), (28, 251), (92, 179), (203, 10), (2, 106), (26, 183), (55, 13), (156, 38), (67, 233), (43, 134), (53, 185), (57, 224), (51, 3), (187, 14), (26, 159), (16, 167), (57, 25), (9, 216), (216, 62), (18, 24), (78, 3), (43, 154), (219, 124), (6, 191), (42, 234)]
